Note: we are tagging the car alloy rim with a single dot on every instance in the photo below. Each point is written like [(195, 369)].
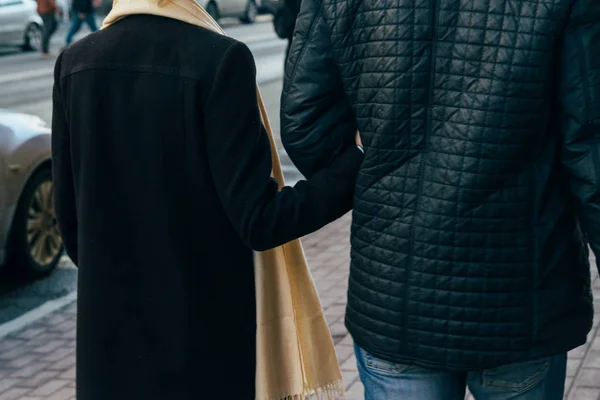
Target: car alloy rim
[(212, 11), (252, 11), (35, 37), (43, 235)]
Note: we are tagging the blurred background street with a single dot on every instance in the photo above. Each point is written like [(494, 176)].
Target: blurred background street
[(37, 358)]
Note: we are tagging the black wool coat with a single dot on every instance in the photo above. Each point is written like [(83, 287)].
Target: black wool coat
[(162, 190)]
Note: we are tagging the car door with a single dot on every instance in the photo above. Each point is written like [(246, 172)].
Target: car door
[(13, 21), (4, 24), (229, 8), (240, 6)]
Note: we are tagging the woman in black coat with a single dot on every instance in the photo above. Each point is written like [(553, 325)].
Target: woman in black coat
[(162, 190)]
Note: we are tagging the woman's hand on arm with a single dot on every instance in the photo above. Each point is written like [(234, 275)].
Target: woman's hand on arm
[(239, 157)]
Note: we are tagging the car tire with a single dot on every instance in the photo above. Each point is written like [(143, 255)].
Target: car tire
[(251, 13), (33, 37), (213, 11), (35, 246)]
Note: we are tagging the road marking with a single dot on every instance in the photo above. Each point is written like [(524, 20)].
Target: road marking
[(26, 75), (269, 68), (256, 38), (255, 46), (37, 313), (277, 45)]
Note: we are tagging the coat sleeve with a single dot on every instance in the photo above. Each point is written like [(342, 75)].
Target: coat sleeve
[(579, 97), (239, 157), (317, 122), (62, 171)]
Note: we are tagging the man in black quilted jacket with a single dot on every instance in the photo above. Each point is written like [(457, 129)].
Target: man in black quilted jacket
[(480, 189)]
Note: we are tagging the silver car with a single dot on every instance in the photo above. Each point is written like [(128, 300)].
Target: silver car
[(20, 24), (30, 243), (245, 10)]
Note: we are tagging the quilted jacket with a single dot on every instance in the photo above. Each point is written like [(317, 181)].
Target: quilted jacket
[(480, 189)]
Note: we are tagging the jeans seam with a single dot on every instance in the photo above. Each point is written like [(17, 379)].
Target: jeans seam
[(378, 365), (520, 387)]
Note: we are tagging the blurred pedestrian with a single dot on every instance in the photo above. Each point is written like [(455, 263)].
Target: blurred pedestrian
[(480, 190), (284, 21), (47, 10), (83, 12), (161, 196)]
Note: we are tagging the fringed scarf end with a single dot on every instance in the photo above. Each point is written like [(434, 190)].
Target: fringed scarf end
[(331, 391)]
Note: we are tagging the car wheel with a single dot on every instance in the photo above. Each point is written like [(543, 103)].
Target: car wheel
[(35, 246), (251, 13), (33, 37), (213, 10)]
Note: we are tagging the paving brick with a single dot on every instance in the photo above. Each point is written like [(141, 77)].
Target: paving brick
[(349, 364), (69, 375), (13, 353), (349, 377), (7, 383), (338, 331), (49, 347), (31, 332), (596, 343), (356, 391), (333, 318), (58, 354), (22, 361), (50, 388), (585, 394), (7, 344), (573, 366), (63, 394), (589, 377), (29, 370), (14, 394), (349, 371), (592, 360), (65, 363), (65, 326), (580, 352), (39, 379), (328, 301), (344, 353), (568, 386), (57, 319), (347, 341)]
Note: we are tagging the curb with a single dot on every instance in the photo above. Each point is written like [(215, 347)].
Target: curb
[(37, 313)]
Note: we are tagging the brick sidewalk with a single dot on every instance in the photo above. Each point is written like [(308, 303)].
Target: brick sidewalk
[(38, 363)]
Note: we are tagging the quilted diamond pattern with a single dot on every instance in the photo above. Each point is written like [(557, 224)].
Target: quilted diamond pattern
[(453, 99)]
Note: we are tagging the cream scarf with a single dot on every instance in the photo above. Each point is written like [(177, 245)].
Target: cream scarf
[(295, 353)]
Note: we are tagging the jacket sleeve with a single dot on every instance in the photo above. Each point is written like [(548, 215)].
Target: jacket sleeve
[(239, 157), (579, 97), (317, 122), (62, 171)]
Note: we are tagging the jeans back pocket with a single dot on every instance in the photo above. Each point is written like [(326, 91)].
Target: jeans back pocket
[(518, 377)]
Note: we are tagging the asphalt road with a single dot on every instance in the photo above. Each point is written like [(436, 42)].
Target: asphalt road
[(26, 85)]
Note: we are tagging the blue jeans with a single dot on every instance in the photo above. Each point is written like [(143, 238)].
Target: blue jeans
[(542, 379), (89, 19)]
